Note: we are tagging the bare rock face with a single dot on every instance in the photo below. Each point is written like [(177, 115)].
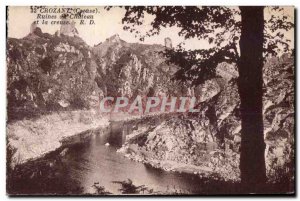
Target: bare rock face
[(168, 43), (47, 72), (227, 71), (114, 39), (211, 139), (279, 115), (128, 69), (66, 71), (50, 72)]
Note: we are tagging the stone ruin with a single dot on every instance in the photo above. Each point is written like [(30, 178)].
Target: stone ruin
[(68, 28), (168, 42), (33, 26), (35, 29)]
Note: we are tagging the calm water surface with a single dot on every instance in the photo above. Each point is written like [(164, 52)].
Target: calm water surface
[(94, 162), (79, 166)]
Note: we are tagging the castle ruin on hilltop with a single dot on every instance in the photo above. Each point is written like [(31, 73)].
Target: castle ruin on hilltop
[(168, 43), (68, 28)]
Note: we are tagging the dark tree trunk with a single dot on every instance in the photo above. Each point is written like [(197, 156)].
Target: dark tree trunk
[(252, 161)]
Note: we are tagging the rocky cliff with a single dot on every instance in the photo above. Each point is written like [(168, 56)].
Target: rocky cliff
[(57, 72), (131, 69), (54, 82), (48, 73), (209, 143), (60, 72)]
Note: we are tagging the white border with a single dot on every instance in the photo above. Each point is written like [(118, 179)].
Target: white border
[(3, 4)]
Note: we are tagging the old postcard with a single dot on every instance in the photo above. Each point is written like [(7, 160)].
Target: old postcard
[(150, 100)]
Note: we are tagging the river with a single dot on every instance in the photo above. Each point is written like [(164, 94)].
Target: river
[(75, 168)]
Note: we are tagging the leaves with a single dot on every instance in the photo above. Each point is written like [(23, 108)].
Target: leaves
[(194, 21), (199, 65), (220, 26)]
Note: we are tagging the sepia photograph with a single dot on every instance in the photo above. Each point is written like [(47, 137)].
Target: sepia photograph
[(150, 100)]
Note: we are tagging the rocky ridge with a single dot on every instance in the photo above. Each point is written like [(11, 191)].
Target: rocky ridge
[(210, 141), (49, 73)]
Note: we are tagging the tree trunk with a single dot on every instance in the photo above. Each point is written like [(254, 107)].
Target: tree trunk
[(252, 160)]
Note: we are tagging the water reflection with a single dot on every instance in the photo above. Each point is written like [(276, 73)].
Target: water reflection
[(92, 166), (95, 162)]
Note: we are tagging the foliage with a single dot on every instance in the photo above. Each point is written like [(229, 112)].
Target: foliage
[(234, 36), (100, 190), (127, 187), (220, 26)]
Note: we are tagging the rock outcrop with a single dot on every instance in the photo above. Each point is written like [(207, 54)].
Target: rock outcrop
[(168, 43), (44, 70), (61, 72), (130, 69), (211, 139)]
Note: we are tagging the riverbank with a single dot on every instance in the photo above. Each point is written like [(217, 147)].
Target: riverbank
[(184, 146), (203, 171), (30, 139), (33, 138), (179, 153)]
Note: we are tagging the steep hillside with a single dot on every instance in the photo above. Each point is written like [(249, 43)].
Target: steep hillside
[(209, 142), (48, 73), (57, 72), (130, 69), (55, 82)]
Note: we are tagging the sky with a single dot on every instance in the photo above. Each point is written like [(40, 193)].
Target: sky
[(107, 24)]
